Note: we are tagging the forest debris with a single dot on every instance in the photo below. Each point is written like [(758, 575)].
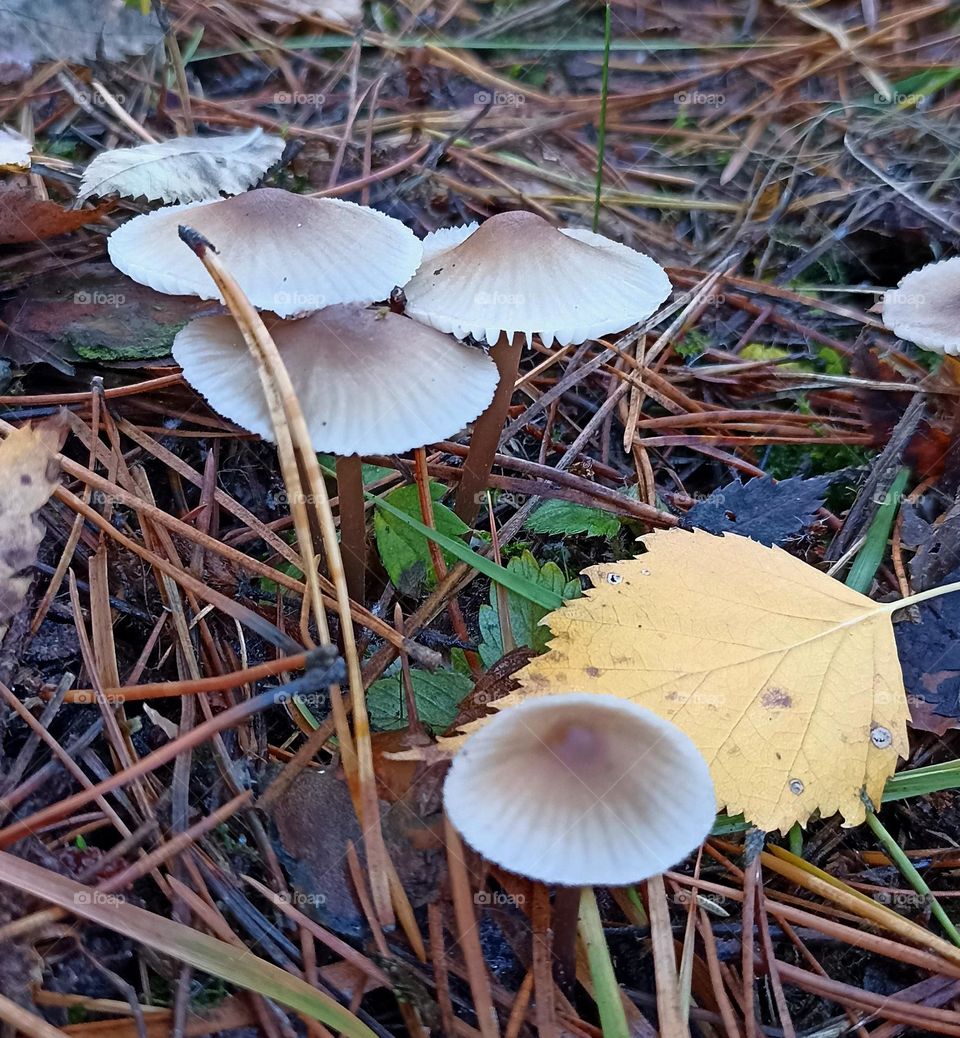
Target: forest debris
[(183, 169), (30, 473), (786, 680)]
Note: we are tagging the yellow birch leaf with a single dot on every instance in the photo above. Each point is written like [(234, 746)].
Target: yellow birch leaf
[(787, 680), (29, 474)]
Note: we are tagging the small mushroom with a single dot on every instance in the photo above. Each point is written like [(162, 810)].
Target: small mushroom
[(925, 307), (290, 254), (516, 276), (580, 789), (369, 382)]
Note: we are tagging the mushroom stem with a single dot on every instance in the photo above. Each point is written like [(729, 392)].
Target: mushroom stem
[(566, 910), (486, 430), (353, 524)]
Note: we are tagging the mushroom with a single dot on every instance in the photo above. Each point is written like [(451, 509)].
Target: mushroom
[(580, 789), (925, 307), (369, 382), (290, 254), (516, 276)]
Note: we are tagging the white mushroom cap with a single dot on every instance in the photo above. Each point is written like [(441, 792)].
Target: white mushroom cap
[(517, 273), (925, 307), (580, 789), (290, 254), (369, 382)]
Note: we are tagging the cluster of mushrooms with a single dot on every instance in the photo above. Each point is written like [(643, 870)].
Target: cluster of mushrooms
[(588, 789)]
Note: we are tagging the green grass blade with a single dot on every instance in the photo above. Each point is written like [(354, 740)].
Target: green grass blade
[(868, 559), (602, 130), (507, 578), (606, 990), (909, 872)]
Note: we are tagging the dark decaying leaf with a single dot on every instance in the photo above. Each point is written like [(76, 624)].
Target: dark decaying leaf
[(315, 818), (763, 509), (26, 218), (74, 31), (937, 545), (92, 312), (930, 658)]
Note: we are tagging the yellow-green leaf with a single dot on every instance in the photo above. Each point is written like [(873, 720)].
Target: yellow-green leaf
[(787, 681)]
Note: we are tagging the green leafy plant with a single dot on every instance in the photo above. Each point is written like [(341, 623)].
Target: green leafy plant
[(525, 615), (403, 549), (566, 517), (437, 695)]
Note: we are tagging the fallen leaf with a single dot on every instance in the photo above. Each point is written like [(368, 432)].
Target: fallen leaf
[(29, 473), (787, 681), (25, 218), (95, 314), (14, 151), (74, 31), (930, 657), (340, 12), (770, 512), (184, 169), (937, 544), (315, 819)]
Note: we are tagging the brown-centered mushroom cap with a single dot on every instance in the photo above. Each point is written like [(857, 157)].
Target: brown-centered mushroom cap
[(290, 254), (517, 273), (925, 307), (368, 381), (580, 789)]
